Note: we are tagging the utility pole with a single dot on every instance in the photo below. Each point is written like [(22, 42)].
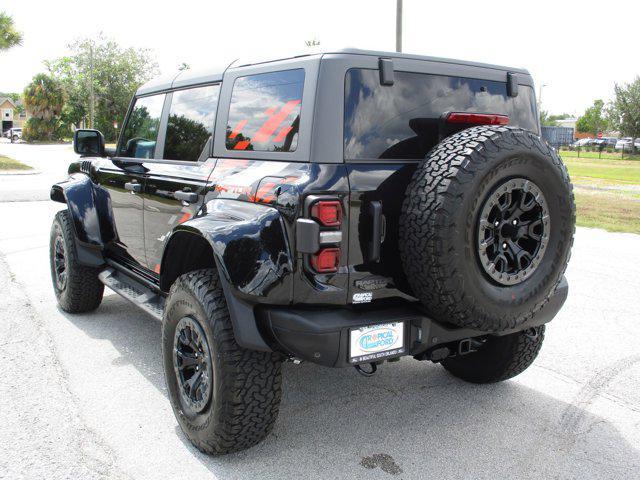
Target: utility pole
[(399, 26), (540, 97), (91, 95)]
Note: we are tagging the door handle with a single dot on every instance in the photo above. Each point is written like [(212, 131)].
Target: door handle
[(133, 187), (378, 227), (189, 197)]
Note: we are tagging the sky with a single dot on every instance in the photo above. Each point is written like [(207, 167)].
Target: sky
[(577, 49)]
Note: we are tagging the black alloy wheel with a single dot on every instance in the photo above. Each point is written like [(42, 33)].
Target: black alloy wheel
[(59, 261), (513, 231), (192, 365)]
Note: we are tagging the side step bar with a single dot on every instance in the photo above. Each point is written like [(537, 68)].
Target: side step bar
[(137, 293)]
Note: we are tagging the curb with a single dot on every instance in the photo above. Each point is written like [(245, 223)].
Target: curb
[(20, 172)]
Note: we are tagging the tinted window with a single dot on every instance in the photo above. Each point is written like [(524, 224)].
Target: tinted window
[(402, 121), (190, 124), (141, 132), (264, 114)]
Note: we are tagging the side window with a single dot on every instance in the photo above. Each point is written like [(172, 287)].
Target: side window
[(190, 124), (141, 132), (402, 121), (264, 114)]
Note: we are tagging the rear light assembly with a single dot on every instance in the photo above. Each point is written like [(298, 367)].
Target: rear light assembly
[(327, 212), (327, 260), (477, 118), (319, 234)]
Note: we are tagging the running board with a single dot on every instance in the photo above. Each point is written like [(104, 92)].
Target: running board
[(137, 293)]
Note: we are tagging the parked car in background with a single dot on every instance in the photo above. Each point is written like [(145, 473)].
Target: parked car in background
[(583, 142), (605, 142), (14, 134), (625, 143)]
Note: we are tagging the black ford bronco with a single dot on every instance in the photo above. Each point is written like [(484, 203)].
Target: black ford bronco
[(343, 208)]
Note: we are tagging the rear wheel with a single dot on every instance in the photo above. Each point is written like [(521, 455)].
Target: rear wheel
[(77, 287), (225, 398), (500, 358)]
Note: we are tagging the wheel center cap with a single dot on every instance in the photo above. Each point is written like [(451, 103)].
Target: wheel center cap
[(509, 230)]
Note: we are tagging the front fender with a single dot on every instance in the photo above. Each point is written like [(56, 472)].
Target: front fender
[(85, 204)]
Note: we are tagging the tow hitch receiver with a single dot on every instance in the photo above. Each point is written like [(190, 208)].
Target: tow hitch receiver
[(367, 373)]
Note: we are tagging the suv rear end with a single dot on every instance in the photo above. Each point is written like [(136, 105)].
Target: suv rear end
[(375, 136)]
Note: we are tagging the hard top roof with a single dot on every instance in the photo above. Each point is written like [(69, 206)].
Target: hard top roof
[(194, 77)]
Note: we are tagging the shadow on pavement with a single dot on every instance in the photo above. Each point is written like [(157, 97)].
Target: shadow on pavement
[(411, 420)]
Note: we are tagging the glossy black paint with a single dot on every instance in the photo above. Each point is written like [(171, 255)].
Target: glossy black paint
[(250, 188), (384, 183), (125, 206), (162, 210), (250, 246)]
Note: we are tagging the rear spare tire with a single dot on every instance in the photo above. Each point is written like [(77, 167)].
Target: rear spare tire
[(487, 226)]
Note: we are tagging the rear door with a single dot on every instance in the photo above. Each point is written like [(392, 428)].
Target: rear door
[(388, 130), (124, 176), (177, 177)]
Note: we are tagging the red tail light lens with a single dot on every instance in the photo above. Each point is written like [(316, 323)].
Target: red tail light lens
[(326, 260), (477, 118), (327, 212)]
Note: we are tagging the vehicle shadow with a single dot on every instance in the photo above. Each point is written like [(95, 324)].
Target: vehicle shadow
[(411, 420)]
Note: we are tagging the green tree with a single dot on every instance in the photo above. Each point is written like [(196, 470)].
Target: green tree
[(593, 120), (44, 98), (624, 113), (185, 138), (103, 75), (9, 36), (547, 120)]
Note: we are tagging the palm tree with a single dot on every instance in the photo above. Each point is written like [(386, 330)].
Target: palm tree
[(44, 98)]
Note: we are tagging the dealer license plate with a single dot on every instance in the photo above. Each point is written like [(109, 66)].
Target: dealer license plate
[(368, 344)]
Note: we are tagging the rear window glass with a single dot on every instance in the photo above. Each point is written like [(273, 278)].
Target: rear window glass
[(401, 121), (190, 123), (264, 114), (141, 132)]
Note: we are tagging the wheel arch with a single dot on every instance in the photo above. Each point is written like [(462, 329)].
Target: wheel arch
[(249, 250), (89, 211)]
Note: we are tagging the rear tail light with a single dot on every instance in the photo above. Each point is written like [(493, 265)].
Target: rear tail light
[(326, 260), (327, 212), (477, 118)]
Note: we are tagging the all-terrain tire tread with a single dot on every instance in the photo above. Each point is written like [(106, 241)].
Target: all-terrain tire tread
[(84, 290), (502, 358), (250, 381), (426, 224)]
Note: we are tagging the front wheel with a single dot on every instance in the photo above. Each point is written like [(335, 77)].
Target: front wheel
[(225, 398), (77, 287), (500, 358)]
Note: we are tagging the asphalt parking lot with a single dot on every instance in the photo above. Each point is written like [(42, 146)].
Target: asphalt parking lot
[(83, 396)]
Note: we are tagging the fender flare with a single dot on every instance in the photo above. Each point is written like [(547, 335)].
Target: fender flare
[(85, 208), (253, 258)]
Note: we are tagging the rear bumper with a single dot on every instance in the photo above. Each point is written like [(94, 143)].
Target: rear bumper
[(322, 335)]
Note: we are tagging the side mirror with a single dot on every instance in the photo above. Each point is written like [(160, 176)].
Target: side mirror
[(88, 143)]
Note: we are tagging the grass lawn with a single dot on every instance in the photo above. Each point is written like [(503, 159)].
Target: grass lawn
[(610, 211), (7, 163), (598, 155), (607, 192)]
